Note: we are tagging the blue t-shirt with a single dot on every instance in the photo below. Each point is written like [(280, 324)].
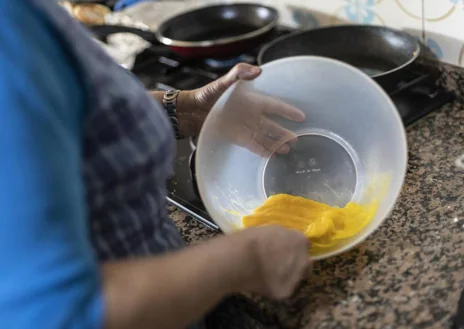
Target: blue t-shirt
[(49, 277)]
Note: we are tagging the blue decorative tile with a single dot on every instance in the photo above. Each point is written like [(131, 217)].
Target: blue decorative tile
[(444, 26), (360, 11), (303, 17), (434, 46)]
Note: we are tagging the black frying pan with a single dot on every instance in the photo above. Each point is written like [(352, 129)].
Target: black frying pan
[(220, 30), (380, 52)]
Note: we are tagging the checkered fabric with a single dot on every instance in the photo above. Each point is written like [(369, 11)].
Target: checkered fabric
[(128, 151)]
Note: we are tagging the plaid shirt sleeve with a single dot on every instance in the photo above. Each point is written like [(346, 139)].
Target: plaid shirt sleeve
[(129, 146), (128, 150)]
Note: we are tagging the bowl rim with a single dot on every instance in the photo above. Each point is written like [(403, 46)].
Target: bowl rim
[(315, 59)]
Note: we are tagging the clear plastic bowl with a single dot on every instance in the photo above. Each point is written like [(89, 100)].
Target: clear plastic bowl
[(350, 147)]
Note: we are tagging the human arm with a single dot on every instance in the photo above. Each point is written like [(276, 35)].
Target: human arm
[(174, 290), (189, 113), (49, 237), (169, 291), (49, 278), (194, 105), (249, 126)]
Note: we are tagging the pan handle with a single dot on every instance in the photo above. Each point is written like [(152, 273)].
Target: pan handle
[(101, 32)]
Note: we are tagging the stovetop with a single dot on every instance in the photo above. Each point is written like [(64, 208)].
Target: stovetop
[(158, 68)]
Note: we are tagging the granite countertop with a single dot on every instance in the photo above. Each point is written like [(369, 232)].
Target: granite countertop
[(410, 272)]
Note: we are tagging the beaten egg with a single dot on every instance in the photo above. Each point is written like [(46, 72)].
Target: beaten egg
[(325, 226)]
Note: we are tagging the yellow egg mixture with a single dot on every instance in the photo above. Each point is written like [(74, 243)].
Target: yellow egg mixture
[(324, 225)]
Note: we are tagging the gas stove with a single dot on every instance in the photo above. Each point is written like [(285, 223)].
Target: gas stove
[(158, 68)]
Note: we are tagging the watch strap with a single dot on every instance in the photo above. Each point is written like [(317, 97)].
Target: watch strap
[(170, 105)]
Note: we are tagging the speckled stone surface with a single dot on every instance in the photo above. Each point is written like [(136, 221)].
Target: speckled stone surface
[(452, 79), (410, 272)]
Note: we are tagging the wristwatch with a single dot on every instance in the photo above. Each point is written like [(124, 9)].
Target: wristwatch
[(170, 104)]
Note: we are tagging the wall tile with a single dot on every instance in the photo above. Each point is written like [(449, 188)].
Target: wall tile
[(289, 16), (404, 15), (301, 17), (444, 29), (438, 23), (401, 14), (313, 13)]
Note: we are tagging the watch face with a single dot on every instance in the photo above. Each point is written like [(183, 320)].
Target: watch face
[(170, 95)]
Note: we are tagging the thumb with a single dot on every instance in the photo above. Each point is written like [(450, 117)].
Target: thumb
[(240, 71)]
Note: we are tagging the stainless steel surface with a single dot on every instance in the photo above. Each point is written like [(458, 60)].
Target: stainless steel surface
[(195, 214)]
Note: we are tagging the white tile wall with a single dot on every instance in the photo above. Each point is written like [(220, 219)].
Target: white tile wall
[(444, 29), (377, 12), (309, 13), (401, 14), (439, 23)]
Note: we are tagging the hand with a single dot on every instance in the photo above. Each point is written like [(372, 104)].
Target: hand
[(247, 124), (246, 121), (194, 105), (277, 260)]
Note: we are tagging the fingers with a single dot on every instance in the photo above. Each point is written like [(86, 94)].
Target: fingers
[(277, 132), (297, 268), (301, 265), (273, 138), (244, 71), (269, 145), (276, 107), (257, 148), (281, 258), (268, 138), (240, 71)]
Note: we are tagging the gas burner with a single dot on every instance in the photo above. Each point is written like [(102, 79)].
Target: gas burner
[(222, 64), (160, 69), (158, 66)]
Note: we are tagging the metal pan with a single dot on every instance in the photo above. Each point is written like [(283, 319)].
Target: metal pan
[(215, 31), (380, 52)]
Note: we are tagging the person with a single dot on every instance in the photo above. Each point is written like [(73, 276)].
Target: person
[(84, 236)]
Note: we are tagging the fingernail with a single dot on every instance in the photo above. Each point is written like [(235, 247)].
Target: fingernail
[(256, 69), (298, 117), (251, 72)]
